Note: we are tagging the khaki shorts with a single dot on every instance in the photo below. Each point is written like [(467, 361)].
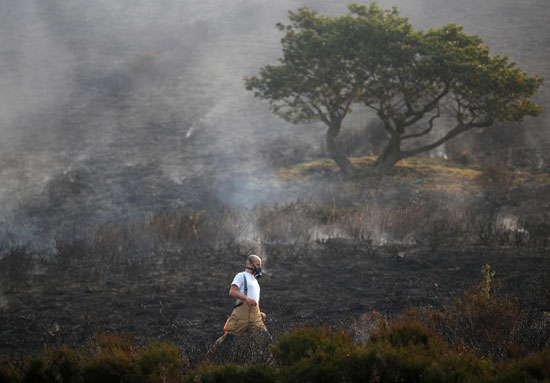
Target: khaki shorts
[(244, 318)]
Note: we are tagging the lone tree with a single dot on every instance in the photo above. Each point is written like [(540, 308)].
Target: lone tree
[(409, 78)]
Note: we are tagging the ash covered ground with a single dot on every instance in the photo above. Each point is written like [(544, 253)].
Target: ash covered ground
[(185, 300)]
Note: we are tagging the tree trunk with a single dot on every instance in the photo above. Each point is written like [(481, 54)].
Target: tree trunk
[(390, 156), (335, 152)]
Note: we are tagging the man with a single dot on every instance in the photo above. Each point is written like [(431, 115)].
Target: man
[(246, 315)]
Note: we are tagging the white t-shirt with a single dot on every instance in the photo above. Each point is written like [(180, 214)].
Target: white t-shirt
[(252, 284)]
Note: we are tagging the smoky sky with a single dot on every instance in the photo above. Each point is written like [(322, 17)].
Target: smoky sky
[(100, 91)]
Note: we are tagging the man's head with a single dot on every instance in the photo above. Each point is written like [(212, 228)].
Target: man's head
[(254, 264)]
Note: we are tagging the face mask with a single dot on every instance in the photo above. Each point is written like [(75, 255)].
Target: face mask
[(256, 271)]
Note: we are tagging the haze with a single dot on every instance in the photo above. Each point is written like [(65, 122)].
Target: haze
[(135, 106)]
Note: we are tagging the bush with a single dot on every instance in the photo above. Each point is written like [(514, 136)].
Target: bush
[(402, 351), (109, 359), (36, 371), (115, 359), (406, 333), (109, 367), (406, 350), (8, 374), (536, 365), (314, 355), (232, 373), (54, 365), (305, 342), (160, 362)]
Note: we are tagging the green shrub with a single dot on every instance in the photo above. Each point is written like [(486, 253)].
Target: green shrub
[(232, 373), (533, 368), (409, 333), (36, 371), (8, 373), (160, 362), (320, 367), (402, 351), (109, 360), (115, 359), (64, 364), (54, 365), (111, 367), (407, 351), (304, 342)]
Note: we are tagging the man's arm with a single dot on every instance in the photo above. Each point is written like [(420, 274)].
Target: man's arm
[(235, 293)]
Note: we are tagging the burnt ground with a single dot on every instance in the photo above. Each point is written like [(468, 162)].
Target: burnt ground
[(182, 297)]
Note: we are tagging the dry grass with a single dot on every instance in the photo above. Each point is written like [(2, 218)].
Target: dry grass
[(427, 174)]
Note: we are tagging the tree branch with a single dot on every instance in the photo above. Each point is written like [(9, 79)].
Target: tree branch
[(458, 129), (387, 123), (318, 110), (425, 131), (417, 116)]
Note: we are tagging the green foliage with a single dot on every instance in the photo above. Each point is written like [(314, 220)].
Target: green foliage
[(535, 366), (409, 78), (406, 333), (8, 373), (36, 371), (55, 365), (232, 373), (406, 350), (160, 362), (110, 366), (403, 350), (115, 359), (313, 355), (108, 358), (305, 342)]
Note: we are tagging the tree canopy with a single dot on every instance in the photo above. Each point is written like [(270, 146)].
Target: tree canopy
[(409, 78)]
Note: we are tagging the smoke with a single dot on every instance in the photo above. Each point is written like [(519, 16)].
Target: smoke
[(113, 109)]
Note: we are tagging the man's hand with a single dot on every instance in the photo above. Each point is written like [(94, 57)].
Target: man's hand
[(251, 301), (263, 315)]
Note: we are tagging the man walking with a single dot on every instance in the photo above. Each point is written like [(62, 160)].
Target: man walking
[(246, 315)]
